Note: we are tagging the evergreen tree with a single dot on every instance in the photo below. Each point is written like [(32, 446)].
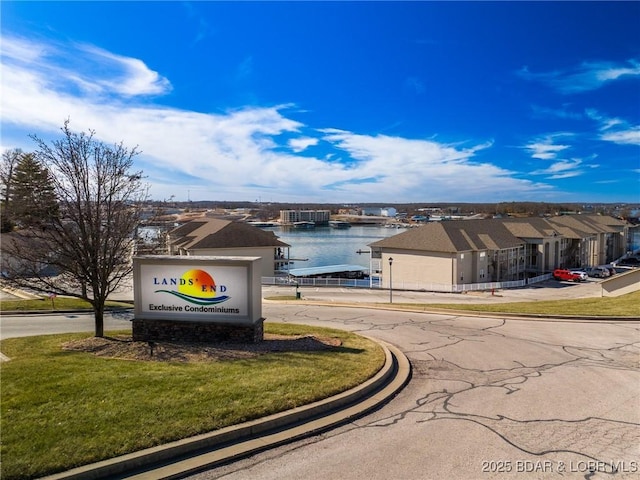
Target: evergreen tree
[(33, 200), (10, 159)]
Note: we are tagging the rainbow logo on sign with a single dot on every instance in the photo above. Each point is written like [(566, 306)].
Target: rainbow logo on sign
[(194, 286)]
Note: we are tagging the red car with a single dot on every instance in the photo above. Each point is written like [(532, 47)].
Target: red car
[(561, 274)]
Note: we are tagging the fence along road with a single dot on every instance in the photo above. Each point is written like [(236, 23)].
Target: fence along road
[(402, 285)]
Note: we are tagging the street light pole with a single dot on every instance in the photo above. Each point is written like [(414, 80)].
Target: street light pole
[(390, 281)]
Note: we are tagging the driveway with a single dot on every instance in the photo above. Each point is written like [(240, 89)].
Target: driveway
[(489, 398)]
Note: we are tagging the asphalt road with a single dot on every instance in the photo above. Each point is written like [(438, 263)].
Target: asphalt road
[(44, 324), (489, 397)]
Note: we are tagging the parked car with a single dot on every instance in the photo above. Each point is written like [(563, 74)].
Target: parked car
[(598, 272), (562, 274), (610, 269), (583, 275)]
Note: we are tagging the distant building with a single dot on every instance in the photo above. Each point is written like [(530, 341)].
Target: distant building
[(319, 217), (497, 250), (380, 211), (215, 237), (349, 211)]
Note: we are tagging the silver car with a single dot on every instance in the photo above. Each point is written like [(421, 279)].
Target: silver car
[(583, 275), (598, 272)]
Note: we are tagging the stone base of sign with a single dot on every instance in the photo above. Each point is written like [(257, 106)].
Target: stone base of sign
[(196, 332)]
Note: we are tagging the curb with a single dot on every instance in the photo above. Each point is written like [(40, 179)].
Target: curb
[(194, 454)]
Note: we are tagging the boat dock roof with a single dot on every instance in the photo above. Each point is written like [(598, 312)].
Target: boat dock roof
[(326, 270)]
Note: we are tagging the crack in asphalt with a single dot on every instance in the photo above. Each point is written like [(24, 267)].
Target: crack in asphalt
[(596, 439), (593, 438)]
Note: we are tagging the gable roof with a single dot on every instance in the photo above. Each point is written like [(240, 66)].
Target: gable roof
[(216, 233), (534, 227), (454, 236), (497, 234), (589, 224)]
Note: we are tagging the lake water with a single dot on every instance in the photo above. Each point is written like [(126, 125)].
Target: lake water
[(324, 246), (333, 246)]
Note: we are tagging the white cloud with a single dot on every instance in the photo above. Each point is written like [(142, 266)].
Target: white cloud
[(75, 68), (129, 76), (559, 176), (238, 154), (544, 148), (419, 169), (615, 130), (21, 49), (301, 144), (584, 77), (629, 137), (562, 169)]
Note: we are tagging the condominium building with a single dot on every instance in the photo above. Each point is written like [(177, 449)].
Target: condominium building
[(498, 250), (319, 217)]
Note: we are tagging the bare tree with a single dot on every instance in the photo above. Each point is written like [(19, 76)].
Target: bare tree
[(85, 251)]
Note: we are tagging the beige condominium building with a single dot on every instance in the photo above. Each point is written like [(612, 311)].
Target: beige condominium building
[(319, 217), (495, 250)]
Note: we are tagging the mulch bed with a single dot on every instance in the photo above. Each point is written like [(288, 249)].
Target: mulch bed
[(123, 347)]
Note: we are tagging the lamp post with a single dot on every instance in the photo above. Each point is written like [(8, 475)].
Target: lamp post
[(390, 281)]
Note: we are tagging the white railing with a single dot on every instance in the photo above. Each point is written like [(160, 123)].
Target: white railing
[(321, 282), (400, 285), (540, 278)]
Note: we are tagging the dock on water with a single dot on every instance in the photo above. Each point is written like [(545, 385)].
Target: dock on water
[(332, 271)]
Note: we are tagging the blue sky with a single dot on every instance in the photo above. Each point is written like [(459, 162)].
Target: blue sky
[(339, 102)]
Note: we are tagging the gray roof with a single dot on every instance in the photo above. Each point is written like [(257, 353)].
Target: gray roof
[(534, 227), (589, 224), (454, 236), (216, 233), (497, 234), (303, 272), (568, 226)]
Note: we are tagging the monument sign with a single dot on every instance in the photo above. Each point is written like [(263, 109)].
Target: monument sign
[(197, 298)]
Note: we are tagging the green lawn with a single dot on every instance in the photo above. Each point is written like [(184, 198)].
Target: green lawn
[(62, 409), (58, 303), (622, 306)]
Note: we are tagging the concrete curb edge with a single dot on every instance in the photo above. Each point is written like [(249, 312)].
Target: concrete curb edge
[(237, 441)]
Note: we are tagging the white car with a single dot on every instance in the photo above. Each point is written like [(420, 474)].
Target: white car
[(599, 272), (583, 275)]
